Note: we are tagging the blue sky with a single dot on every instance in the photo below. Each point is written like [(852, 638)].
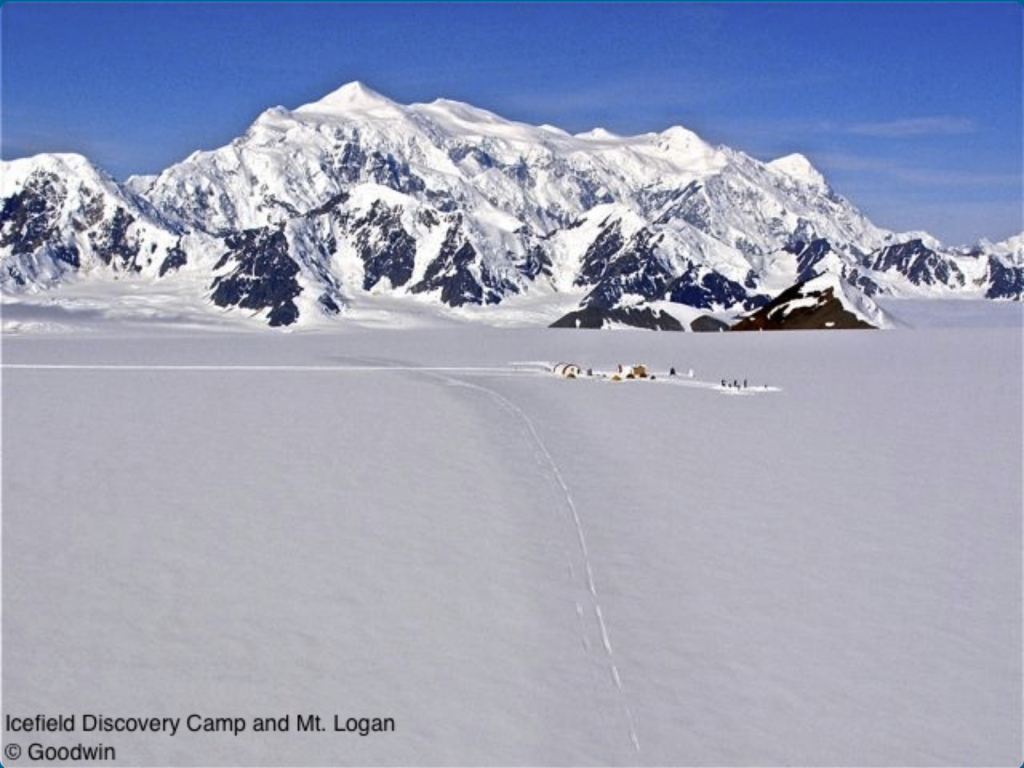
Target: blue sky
[(912, 110)]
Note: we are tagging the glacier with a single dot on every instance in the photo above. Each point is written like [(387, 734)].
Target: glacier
[(520, 569)]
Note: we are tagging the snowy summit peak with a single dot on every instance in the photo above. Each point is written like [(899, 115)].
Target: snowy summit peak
[(351, 97), (684, 144), (598, 134), (798, 167), (465, 112)]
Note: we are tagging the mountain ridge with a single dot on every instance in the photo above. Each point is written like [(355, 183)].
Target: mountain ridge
[(312, 208)]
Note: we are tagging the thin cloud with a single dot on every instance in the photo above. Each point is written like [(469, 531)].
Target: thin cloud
[(915, 126), (654, 102), (953, 221), (925, 177), (943, 177)]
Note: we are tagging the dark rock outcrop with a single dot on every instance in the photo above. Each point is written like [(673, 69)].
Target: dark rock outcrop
[(804, 306), (917, 262), (176, 259), (384, 246), (705, 289), (635, 317), (1005, 281), (263, 276), (452, 272), (808, 254), (634, 269), (708, 324)]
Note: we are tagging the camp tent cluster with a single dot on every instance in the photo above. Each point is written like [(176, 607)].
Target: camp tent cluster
[(622, 371), (638, 371), (567, 370)]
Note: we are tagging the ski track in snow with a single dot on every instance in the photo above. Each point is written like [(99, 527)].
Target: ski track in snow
[(441, 373), (517, 412), (447, 374), (547, 461)]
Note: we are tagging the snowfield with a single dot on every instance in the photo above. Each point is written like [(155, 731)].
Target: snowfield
[(519, 569)]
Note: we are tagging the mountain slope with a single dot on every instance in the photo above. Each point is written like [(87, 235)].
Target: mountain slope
[(60, 214), (354, 194), (823, 302)]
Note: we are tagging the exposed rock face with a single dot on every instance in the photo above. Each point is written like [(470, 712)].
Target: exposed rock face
[(386, 249), (262, 277), (822, 303), (112, 244), (176, 259), (708, 324), (460, 275), (1005, 281), (633, 317), (30, 216), (808, 256), (918, 263), (705, 289), (634, 269)]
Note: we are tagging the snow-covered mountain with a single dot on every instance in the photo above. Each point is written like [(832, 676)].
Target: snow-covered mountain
[(313, 208)]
